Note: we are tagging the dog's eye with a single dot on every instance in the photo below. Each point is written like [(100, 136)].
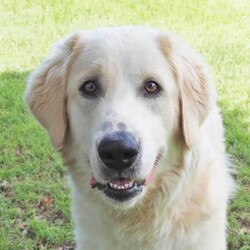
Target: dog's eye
[(151, 87), (89, 88)]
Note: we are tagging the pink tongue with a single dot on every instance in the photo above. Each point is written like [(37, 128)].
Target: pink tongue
[(151, 174), (92, 181)]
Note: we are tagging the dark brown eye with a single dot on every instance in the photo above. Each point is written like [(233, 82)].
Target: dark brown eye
[(89, 88), (151, 87)]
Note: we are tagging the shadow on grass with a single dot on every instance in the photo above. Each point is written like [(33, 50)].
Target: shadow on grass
[(31, 171), (12, 86), (16, 129), (238, 146)]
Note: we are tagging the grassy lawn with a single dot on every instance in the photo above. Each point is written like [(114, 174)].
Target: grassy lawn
[(34, 198)]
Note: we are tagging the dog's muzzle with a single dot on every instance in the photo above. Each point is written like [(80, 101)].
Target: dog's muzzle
[(120, 154)]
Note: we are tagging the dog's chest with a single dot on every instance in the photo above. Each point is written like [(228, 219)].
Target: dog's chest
[(105, 232)]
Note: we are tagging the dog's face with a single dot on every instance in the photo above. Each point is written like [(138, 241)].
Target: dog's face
[(121, 98), (117, 97)]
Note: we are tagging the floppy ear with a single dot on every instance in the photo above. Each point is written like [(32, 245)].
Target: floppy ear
[(45, 94), (197, 93)]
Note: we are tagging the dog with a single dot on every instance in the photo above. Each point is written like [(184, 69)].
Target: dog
[(133, 112)]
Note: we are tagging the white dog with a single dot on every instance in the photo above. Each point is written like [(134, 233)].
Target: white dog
[(133, 112)]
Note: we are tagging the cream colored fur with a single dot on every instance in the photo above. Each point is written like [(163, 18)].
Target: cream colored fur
[(184, 206)]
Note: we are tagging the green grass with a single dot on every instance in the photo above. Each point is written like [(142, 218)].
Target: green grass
[(34, 199)]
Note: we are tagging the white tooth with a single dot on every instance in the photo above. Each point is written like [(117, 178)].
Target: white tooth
[(125, 186)]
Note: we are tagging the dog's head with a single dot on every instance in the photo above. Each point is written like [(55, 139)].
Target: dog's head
[(120, 100)]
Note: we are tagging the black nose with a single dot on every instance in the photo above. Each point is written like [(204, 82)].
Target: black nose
[(118, 150)]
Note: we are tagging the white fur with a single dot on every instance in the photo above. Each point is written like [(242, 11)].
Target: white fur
[(184, 206)]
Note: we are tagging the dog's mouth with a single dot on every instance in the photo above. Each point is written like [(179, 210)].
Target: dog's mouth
[(123, 189)]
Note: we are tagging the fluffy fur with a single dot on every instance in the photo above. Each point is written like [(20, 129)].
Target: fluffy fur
[(184, 206)]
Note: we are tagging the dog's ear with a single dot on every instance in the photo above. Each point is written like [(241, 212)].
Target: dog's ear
[(45, 94), (197, 93)]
